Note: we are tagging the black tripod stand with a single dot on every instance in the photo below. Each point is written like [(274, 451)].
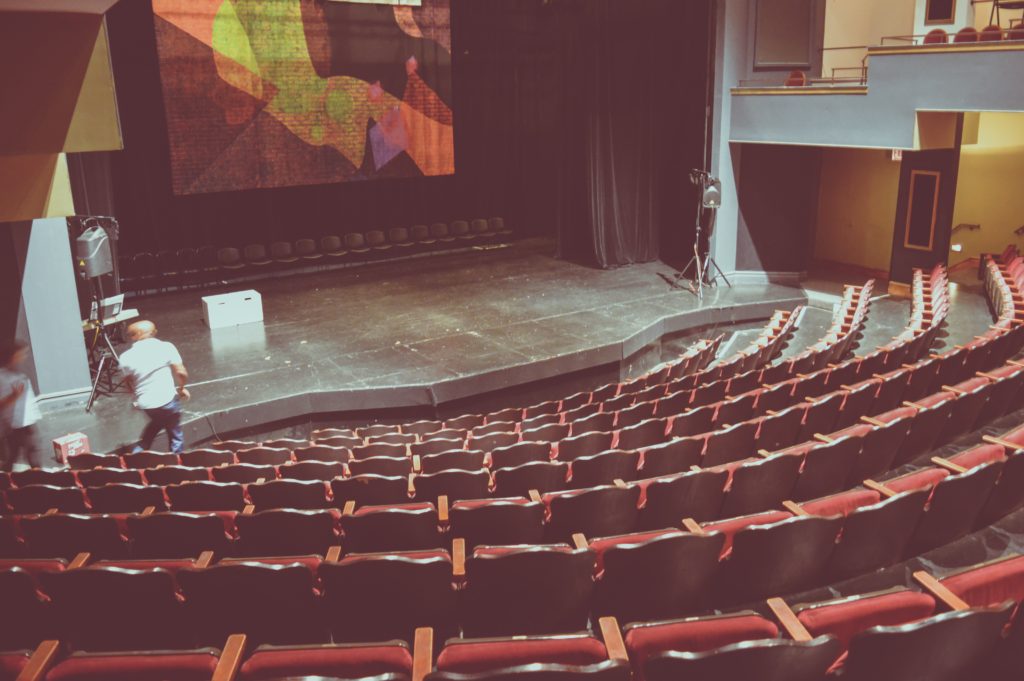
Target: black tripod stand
[(103, 357), (707, 270)]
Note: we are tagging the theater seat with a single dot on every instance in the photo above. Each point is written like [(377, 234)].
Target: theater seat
[(694, 634), (990, 583), (775, 660), (527, 590), (370, 490), (497, 522), (406, 527), (286, 533), (596, 512), (338, 660), (180, 665), (845, 617)]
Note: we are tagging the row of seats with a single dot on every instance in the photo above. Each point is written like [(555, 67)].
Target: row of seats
[(836, 537), (969, 34), (276, 617), (765, 348), (195, 267)]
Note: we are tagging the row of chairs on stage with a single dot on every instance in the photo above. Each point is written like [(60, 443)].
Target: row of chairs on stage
[(198, 267)]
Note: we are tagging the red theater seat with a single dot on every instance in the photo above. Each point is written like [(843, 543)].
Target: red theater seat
[(369, 490), (191, 665), (497, 522), (339, 660), (595, 512), (408, 527), (848, 616)]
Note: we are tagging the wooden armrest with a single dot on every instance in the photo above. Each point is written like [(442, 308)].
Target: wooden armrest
[(763, 453), (79, 560), (612, 636), (422, 653), (794, 508), (204, 559), (412, 485), (333, 554), (873, 422), (948, 465), (915, 405), (416, 463), (983, 374), (620, 483), (1015, 363), (580, 541), (40, 662), (992, 440), (260, 481), (459, 557), (350, 508), (249, 509), (52, 511), (230, 658), (788, 619), (935, 588), (880, 488), (823, 438), (535, 496), (771, 412), (149, 510), (442, 509), (695, 469), (956, 391), (692, 526)]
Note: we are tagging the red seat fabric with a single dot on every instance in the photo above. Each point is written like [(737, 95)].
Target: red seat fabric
[(730, 527), (695, 635), (197, 665), (599, 546), (469, 657), (990, 584), (843, 503), (982, 454), (926, 478), (846, 617), (341, 661), (12, 663)]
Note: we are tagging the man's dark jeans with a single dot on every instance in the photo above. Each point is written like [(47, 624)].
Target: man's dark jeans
[(167, 417)]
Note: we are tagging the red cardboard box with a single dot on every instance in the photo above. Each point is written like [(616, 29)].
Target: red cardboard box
[(69, 445)]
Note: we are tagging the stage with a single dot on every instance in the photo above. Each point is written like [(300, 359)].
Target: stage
[(444, 335)]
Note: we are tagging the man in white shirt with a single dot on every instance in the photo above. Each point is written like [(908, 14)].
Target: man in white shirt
[(156, 375), (19, 412)]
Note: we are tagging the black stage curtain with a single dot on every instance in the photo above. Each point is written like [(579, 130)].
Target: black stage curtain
[(634, 126), (575, 118)]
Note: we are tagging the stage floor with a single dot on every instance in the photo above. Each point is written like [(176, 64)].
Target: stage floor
[(431, 334)]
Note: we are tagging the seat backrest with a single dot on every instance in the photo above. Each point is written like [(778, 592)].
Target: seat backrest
[(28, 618), (780, 558), (761, 485), (264, 456), (150, 459), (945, 647), (674, 456), (107, 608), (369, 490), (97, 477), (322, 452), (497, 522), (461, 460), (456, 485), (175, 475), (527, 590), (696, 495), (771, 660), (176, 535), (409, 527), (41, 498), (207, 457), (243, 473), (604, 468), (125, 498), (655, 575), (85, 461), (543, 476), (286, 533), (695, 634), (596, 512), (381, 465), (269, 603), (323, 471), (43, 476), (299, 494), (954, 507), (392, 594), (64, 536), (520, 453), (206, 496)]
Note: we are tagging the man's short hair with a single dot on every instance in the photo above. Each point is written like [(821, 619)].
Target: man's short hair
[(9, 349)]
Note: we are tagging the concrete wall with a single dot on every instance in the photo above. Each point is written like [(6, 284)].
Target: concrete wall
[(857, 207), (988, 190), (850, 23), (884, 116)]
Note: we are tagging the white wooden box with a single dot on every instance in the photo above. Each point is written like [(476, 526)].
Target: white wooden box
[(232, 309)]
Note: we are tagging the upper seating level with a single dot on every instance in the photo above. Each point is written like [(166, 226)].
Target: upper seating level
[(878, 105)]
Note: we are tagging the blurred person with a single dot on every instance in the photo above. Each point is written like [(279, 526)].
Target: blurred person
[(19, 411)]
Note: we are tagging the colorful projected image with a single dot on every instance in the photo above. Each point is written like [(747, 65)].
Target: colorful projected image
[(275, 93)]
